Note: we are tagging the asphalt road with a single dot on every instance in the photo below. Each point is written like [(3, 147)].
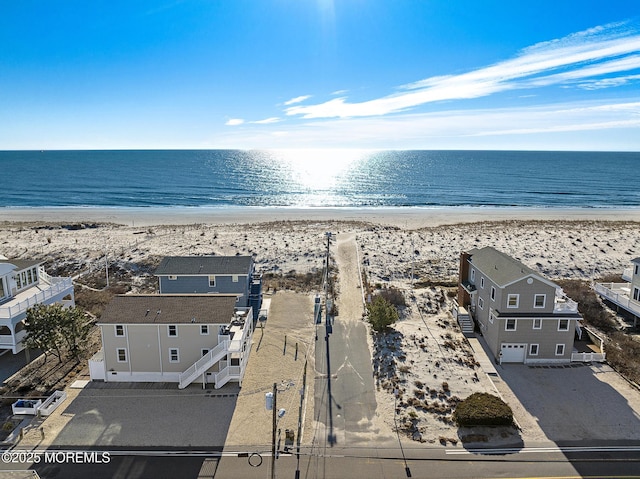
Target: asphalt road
[(603, 462)]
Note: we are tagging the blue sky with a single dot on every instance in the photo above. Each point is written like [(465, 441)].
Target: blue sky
[(398, 74)]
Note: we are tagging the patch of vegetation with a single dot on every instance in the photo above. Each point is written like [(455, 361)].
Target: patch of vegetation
[(394, 296), (94, 302), (382, 313), (301, 282), (433, 283), (483, 409), (623, 354)]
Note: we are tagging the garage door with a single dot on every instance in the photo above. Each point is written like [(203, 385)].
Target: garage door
[(513, 352)]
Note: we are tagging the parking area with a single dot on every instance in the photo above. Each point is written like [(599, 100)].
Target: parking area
[(570, 403)]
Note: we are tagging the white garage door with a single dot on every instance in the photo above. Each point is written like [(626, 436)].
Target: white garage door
[(513, 352)]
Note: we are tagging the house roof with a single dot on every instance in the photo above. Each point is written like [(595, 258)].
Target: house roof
[(195, 265), (21, 264), (501, 268), (636, 260), (169, 309)]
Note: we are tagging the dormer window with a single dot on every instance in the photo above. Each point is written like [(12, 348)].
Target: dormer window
[(212, 281)]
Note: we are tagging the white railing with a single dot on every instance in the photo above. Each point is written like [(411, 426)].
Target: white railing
[(41, 297), (230, 373), (588, 357), (201, 365), (618, 293), (627, 274), (565, 305)]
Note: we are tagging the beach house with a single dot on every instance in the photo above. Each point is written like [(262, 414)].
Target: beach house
[(212, 275), (23, 284), (173, 338), (626, 294), (524, 317)]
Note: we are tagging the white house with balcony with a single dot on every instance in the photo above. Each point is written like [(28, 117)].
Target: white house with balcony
[(24, 284), (180, 338), (626, 294), (524, 317)]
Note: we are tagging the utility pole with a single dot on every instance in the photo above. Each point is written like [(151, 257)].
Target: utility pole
[(106, 266), (273, 432)]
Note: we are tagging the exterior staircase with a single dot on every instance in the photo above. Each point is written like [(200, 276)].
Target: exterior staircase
[(205, 362), (466, 324)]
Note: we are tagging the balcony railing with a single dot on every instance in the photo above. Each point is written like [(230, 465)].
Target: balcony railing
[(44, 295), (619, 294), (565, 305)]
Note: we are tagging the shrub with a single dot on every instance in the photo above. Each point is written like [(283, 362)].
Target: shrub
[(382, 314), (483, 409), (393, 296)]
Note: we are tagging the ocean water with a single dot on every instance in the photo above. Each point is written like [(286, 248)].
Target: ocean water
[(318, 178)]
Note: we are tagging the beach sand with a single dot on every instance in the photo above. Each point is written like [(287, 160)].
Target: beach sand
[(398, 248)]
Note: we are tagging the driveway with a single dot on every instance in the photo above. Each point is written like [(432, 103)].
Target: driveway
[(132, 415), (574, 403)]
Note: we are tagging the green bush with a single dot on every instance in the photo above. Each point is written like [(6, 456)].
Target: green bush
[(382, 313), (483, 409)]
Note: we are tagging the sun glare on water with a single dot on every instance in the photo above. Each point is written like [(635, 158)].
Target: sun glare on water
[(319, 170)]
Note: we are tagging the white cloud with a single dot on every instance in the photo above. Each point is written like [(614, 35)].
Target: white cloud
[(267, 121), (576, 125), (234, 122), (594, 52), (298, 99)]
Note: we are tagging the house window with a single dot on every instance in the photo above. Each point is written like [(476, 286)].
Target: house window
[(121, 353), (537, 323), (533, 349), (480, 303), (18, 282), (30, 278), (2, 288), (559, 349), (35, 274), (24, 279), (172, 277), (204, 329), (493, 293), (636, 269), (172, 330), (119, 330), (234, 278), (513, 300), (482, 282), (174, 355), (563, 325), (510, 325), (212, 281), (491, 317), (473, 275), (539, 300), (636, 293)]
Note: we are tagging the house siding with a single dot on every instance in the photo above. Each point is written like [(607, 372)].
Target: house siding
[(148, 347), (200, 285)]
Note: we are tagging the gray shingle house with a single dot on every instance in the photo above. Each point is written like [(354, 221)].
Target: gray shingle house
[(23, 284), (173, 338), (524, 317), (212, 275)]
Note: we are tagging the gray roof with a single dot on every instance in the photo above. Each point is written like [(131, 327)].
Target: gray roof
[(502, 269), (174, 309), (636, 260), (21, 264), (181, 265)]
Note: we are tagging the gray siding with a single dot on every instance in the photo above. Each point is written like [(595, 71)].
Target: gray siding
[(200, 285), (148, 346)]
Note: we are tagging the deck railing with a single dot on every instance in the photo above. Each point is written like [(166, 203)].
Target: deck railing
[(588, 357), (618, 293), (41, 297)]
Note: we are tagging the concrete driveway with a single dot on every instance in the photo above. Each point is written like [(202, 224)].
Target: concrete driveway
[(573, 403)]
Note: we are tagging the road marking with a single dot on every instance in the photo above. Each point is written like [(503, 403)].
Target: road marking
[(552, 449)]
